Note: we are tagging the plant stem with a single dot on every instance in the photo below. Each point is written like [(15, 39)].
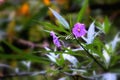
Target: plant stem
[(90, 55)]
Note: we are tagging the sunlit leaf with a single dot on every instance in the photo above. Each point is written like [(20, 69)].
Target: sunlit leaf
[(91, 33), (52, 56), (71, 59), (106, 55), (115, 41), (60, 19)]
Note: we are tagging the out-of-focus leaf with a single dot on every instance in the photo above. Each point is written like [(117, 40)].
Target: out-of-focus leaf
[(61, 61), (22, 55), (71, 21), (107, 55), (36, 17), (52, 56), (71, 59), (50, 26), (114, 60), (106, 25), (109, 76), (1, 49), (33, 20), (81, 12), (60, 19), (25, 56), (35, 34), (11, 30)]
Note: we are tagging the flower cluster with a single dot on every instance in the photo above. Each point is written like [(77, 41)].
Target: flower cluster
[(78, 31)]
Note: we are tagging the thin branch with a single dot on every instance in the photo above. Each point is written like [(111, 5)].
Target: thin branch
[(91, 56), (79, 76)]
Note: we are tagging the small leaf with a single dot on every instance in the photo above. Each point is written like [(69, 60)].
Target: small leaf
[(106, 55), (81, 12), (71, 59), (61, 60), (106, 25), (115, 41), (60, 19), (91, 31)]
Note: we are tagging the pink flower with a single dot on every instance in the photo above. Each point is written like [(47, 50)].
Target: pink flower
[(79, 30), (55, 39)]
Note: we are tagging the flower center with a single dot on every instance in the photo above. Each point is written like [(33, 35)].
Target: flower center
[(78, 29)]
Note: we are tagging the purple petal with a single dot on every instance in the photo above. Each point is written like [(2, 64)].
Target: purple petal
[(79, 30), (55, 39)]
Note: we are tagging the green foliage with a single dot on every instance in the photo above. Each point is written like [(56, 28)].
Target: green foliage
[(60, 61), (96, 48), (49, 26), (107, 25), (76, 58), (60, 19), (82, 11), (36, 17), (22, 55)]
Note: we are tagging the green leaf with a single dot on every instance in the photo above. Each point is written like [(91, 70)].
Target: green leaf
[(32, 21), (36, 17), (60, 19), (81, 12), (21, 55), (50, 26), (106, 25), (30, 57), (96, 47), (61, 59)]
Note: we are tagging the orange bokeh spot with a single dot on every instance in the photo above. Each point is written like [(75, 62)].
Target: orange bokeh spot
[(47, 2), (24, 9)]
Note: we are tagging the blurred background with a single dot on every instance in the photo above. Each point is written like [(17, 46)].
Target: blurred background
[(20, 28)]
